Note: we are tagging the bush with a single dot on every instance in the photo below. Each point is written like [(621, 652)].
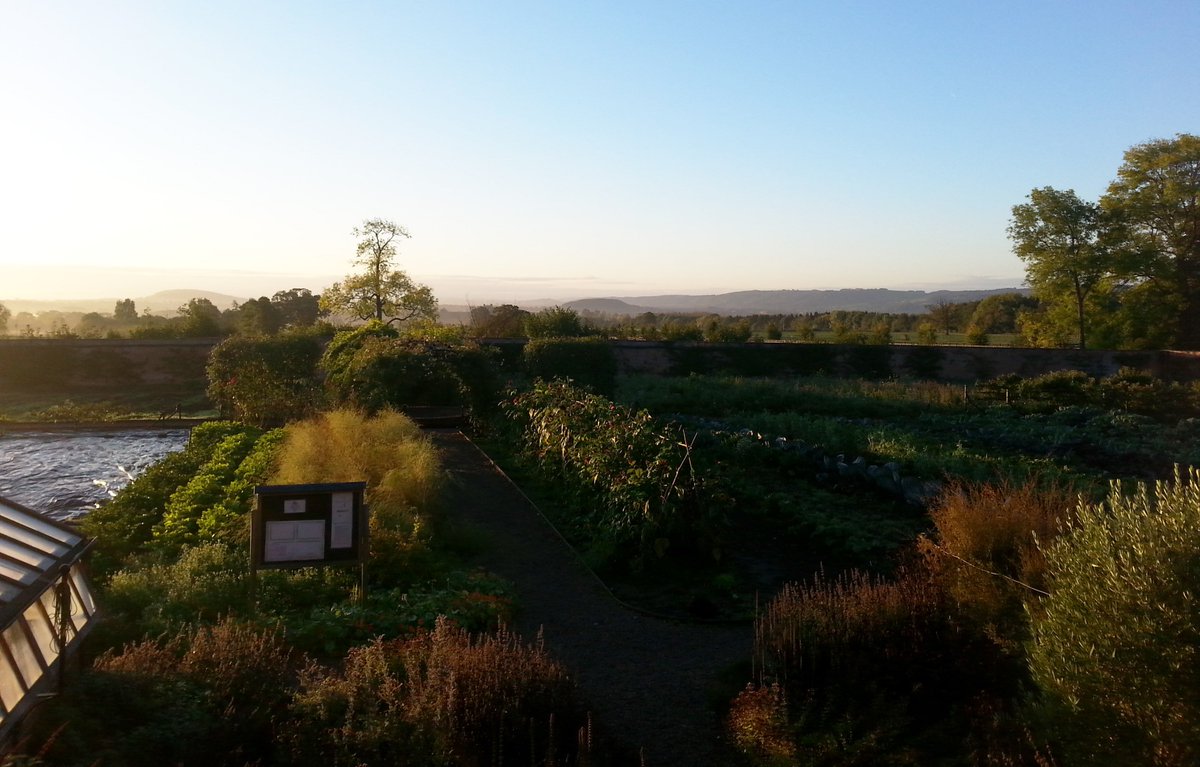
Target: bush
[(588, 362), (208, 696), (1114, 645), (399, 465), (986, 549), (630, 481), (261, 379), (873, 671), (441, 697), (373, 368), (202, 585)]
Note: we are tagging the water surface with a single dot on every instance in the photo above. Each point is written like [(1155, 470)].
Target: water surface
[(66, 474)]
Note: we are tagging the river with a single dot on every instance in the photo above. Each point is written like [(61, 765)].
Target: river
[(66, 474)]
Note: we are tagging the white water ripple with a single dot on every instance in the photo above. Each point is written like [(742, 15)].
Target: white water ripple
[(67, 474)]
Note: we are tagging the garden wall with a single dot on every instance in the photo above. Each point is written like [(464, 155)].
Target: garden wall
[(946, 363), (72, 363), (58, 364)]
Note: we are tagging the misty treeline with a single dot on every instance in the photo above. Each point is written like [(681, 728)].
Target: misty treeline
[(1000, 314), (198, 318)]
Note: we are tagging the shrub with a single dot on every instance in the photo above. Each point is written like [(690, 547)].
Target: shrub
[(387, 451), (441, 697), (1114, 645), (986, 549), (373, 368), (977, 336), (202, 585), (556, 322), (876, 671), (399, 465), (630, 480), (261, 379), (206, 696)]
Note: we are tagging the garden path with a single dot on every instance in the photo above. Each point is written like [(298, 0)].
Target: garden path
[(648, 681)]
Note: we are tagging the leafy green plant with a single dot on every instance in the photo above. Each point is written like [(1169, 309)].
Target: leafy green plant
[(630, 480), (1114, 644), (125, 524), (261, 379)]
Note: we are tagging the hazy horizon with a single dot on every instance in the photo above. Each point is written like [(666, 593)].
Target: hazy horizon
[(563, 150), (451, 290)]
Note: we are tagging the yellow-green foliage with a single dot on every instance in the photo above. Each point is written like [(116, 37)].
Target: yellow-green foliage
[(387, 451), (1116, 645)]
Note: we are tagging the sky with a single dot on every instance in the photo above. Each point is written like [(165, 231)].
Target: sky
[(563, 149)]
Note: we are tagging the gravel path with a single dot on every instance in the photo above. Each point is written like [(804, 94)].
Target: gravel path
[(647, 680)]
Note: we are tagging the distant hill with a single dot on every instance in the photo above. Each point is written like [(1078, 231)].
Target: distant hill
[(747, 302), (163, 303)]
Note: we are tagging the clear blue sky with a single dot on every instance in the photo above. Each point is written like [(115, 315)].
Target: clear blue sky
[(560, 149)]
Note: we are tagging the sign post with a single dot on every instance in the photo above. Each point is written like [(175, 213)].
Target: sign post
[(309, 526)]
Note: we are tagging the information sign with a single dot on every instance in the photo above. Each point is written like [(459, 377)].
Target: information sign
[(306, 525)]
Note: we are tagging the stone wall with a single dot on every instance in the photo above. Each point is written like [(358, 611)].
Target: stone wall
[(105, 363), (56, 364), (962, 364)]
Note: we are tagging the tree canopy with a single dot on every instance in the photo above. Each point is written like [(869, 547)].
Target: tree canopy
[(1058, 235), (379, 291), (4, 315), (1125, 269), (1155, 203)]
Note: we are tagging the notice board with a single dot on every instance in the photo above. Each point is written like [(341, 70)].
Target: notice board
[(307, 525)]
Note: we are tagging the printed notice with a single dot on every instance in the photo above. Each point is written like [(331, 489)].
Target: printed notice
[(341, 529), (293, 506), (298, 541)]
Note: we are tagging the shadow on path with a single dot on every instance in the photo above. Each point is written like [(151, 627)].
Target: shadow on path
[(649, 681)]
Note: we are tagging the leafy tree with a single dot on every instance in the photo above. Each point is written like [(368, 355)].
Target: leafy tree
[(125, 311), (927, 333), (998, 314), (379, 292), (5, 314), (556, 322), (977, 336), (199, 318), (297, 307), (1059, 237), (944, 314), (504, 321), (1155, 202), (258, 316)]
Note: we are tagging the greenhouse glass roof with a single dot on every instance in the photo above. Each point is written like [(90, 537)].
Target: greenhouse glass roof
[(46, 604)]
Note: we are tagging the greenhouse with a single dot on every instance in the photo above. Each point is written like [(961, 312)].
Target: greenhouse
[(46, 607)]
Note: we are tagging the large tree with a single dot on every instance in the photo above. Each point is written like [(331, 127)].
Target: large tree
[(4, 316), (1059, 237), (125, 311), (1155, 204), (379, 291), (297, 307)]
